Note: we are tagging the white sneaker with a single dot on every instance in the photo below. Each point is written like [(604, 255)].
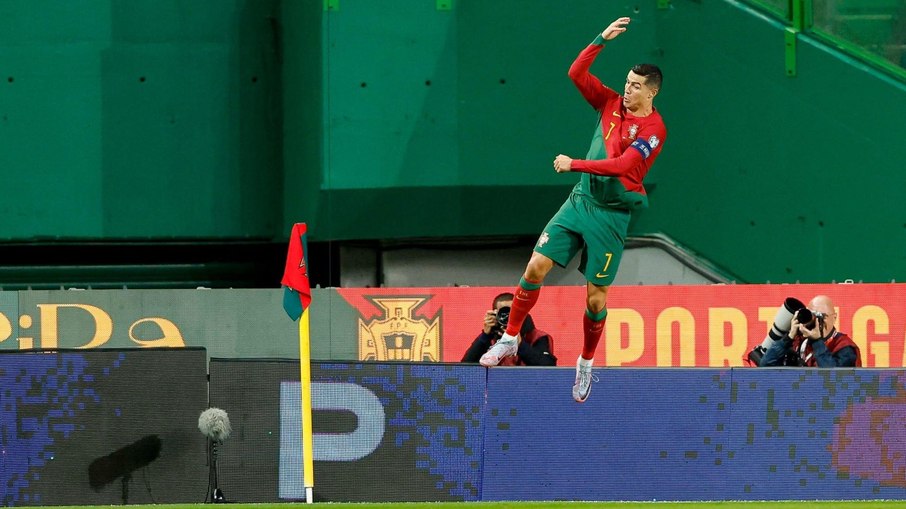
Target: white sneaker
[(584, 378), (504, 347)]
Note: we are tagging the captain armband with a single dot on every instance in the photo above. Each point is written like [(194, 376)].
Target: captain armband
[(646, 147)]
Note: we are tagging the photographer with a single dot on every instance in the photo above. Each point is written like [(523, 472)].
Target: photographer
[(535, 349), (813, 340)]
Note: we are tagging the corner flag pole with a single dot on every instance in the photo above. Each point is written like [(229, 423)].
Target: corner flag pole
[(296, 302), (305, 393)]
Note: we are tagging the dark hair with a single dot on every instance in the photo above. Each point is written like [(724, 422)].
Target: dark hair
[(652, 74), (502, 297)]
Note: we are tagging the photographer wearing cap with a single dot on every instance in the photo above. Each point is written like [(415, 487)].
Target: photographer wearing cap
[(813, 340), (535, 349)]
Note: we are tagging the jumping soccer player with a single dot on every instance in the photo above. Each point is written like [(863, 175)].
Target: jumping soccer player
[(595, 217)]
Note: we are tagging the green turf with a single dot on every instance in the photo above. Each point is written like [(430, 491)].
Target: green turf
[(538, 505)]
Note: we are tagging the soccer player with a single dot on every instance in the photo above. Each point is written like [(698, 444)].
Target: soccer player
[(595, 217)]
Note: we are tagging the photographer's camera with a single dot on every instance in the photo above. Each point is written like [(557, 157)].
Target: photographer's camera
[(503, 317), (808, 319)]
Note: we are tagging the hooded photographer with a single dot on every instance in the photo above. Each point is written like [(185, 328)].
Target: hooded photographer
[(535, 349), (811, 339)]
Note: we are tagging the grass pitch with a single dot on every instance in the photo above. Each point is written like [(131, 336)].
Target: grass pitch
[(885, 504)]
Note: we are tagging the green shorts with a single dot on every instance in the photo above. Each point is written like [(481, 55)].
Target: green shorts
[(598, 232)]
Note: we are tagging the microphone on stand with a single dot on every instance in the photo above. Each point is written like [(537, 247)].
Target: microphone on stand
[(214, 424)]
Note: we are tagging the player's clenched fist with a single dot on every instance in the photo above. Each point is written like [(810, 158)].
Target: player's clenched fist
[(563, 164)]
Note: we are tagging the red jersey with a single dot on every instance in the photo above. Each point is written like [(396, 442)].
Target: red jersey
[(624, 146)]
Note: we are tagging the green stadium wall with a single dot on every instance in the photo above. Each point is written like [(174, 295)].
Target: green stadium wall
[(139, 119), (184, 120)]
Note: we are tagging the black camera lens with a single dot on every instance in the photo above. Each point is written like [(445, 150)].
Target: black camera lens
[(806, 318), (503, 317)]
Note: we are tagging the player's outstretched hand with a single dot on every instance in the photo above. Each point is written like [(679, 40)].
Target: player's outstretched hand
[(616, 28)]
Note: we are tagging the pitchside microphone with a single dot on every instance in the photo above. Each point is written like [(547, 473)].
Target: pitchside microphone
[(214, 424)]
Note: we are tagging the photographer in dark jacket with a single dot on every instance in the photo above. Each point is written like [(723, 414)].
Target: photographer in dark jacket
[(813, 340), (535, 349)]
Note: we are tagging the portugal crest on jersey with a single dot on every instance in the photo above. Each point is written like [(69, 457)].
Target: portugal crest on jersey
[(633, 130)]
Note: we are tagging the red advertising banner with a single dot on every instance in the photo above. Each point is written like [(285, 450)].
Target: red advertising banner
[(647, 326)]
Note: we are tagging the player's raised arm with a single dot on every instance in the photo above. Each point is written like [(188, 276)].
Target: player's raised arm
[(588, 84)]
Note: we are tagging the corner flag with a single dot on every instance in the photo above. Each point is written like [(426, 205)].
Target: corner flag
[(297, 290), (296, 299)]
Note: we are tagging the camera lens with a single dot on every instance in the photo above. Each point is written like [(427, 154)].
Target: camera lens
[(806, 318), (503, 316)]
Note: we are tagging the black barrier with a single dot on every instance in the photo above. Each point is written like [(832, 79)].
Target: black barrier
[(102, 427)]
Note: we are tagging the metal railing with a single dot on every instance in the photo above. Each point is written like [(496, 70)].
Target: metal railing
[(873, 31)]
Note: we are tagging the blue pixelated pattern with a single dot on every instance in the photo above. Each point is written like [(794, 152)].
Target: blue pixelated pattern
[(435, 409), (696, 434), (43, 394)]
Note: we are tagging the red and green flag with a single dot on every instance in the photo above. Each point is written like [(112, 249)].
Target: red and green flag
[(296, 287)]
